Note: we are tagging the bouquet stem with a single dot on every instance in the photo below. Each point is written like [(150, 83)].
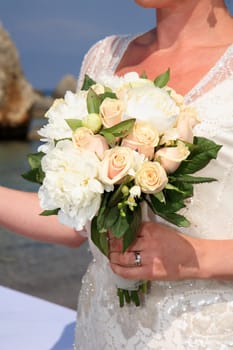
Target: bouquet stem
[(134, 296)]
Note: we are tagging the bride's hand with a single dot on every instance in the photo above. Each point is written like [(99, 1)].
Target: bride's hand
[(165, 254)]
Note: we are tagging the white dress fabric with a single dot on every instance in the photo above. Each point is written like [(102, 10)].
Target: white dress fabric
[(192, 314)]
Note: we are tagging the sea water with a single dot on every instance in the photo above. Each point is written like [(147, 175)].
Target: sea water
[(49, 271)]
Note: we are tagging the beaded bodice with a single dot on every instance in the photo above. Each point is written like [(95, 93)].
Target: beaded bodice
[(182, 315)]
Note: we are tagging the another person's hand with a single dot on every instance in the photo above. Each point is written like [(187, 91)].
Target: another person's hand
[(165, 254)]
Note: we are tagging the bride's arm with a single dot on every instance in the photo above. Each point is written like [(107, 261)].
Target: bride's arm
[(166, 254), (19, 212)]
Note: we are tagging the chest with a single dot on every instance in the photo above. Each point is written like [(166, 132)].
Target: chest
[(187, 67)]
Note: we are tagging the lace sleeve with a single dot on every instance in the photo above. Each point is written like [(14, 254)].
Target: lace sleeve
[(222, 70), (96, 59), (105, 55)]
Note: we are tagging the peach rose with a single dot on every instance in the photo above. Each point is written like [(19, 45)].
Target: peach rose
[(111, 111), (178, 98), (84, 138), (171, 157), (186, 121), (116, 164), (151, 177), (144, 138), (183, 130)]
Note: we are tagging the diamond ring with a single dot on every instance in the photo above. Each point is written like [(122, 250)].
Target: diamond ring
[(137, 259)]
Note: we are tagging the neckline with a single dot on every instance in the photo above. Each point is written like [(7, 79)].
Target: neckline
[(204, 79), (209, 74)]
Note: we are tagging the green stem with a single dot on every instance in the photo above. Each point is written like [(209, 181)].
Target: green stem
[(135, 297), (127, 296), (120, 294)]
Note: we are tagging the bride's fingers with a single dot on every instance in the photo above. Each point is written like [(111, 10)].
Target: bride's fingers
[(128, 259), (135, 272), (138, 245), (115, 245)]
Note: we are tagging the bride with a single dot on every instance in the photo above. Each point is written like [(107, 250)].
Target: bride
[(190, 305)]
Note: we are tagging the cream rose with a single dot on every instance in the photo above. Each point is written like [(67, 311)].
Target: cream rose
[(179, 99), (171, 157), (116, 164), (183, 129), (143, 138), (85, 139), (186, 121), (111, 111), (151, 177)]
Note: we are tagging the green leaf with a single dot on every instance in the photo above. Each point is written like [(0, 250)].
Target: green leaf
[(111, 216), (121, 129), (103, 240), (176, 219), (193, 179), (120, 227), (110, 138), (34, 175), (143, 75), (63, 139), (162, 79), (117, 195), (74, 123), (87, 83), (183, 190), (135, 218), (34, 159), (160, 196), (109, 94), (93, 102), (95, 234), (102, 213), (202, 152), (172, 204), (171, 187), (100, 239), (50, 212)]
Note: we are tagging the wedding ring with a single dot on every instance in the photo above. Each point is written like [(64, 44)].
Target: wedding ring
[(138, 259)]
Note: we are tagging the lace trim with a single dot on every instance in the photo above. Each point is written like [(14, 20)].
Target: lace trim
[(106, 55), (222, 68)]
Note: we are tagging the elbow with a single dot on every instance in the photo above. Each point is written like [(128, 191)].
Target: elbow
[(75, 242)]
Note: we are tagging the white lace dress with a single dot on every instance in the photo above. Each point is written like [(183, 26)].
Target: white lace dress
[(193, 314)]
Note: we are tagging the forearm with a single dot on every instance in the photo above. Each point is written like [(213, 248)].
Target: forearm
[(215, 259), (19, 213)]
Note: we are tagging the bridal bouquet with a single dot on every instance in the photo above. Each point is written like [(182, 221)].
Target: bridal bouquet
[(113, 146)]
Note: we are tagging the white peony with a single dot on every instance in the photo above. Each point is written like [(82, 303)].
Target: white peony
[(73, 106), (151, 104), (71, 184), (127, 81), (109, 80)]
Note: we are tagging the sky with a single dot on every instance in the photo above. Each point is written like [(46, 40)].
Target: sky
[(52, 36)]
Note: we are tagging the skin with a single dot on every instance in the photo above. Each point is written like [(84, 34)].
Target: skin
[(166, 253)]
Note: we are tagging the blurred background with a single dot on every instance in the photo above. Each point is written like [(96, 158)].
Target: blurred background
[(42, 44), (51, 38)]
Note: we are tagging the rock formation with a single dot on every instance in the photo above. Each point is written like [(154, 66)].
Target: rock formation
[(68, 82), (16, 94)]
